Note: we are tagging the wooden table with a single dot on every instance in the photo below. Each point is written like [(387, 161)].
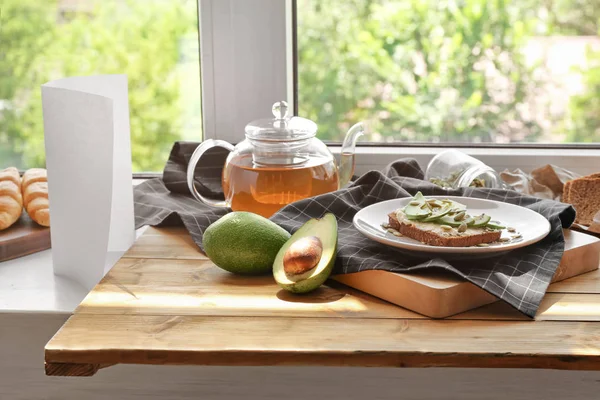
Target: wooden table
[(166, 303)]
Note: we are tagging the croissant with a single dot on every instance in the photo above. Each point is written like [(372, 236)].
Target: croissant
[(11, 201), (35, 195)]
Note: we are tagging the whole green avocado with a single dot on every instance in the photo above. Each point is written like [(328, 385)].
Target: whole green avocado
[(244, 243)]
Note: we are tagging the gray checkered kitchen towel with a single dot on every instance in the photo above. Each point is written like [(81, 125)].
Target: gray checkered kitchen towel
[(520, 277)]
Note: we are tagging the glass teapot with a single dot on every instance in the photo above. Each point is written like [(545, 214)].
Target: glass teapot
[(279, 162)]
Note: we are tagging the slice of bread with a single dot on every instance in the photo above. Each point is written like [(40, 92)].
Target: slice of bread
[(433, 234), (584, 194)]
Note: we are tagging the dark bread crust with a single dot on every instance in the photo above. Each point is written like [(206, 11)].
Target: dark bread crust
[(434, 239)]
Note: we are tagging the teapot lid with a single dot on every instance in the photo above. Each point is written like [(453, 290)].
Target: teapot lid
[(282, 127)]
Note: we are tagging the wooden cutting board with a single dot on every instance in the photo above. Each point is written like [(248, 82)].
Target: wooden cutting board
[(23, 238), (441, 294)]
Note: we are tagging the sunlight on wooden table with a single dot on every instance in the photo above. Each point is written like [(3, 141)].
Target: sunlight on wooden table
[(185, 310)]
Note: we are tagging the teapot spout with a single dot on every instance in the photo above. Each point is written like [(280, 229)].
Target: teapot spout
[(346, 168)]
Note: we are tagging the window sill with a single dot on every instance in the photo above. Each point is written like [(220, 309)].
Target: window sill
[(28, 285), (582, 161)]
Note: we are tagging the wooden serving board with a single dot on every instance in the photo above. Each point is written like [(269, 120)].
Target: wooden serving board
[(593, 230), (23, 238), (441, 294)]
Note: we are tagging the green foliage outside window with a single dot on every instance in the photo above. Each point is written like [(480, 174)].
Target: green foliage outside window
[(585, 109), (431, 70), (418, 70), (40, 41)]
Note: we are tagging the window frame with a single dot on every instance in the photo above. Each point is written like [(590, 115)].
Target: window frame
[(233, 94), (272, 75)]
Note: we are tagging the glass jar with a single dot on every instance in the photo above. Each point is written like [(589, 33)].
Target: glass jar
[(454, 169)]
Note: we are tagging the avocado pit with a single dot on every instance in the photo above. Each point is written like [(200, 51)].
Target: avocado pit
[(302, 255)]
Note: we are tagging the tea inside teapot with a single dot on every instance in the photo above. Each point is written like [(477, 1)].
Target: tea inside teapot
[(265, 189)]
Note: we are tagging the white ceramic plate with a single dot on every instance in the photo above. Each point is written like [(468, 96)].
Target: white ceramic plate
[(532, 226)]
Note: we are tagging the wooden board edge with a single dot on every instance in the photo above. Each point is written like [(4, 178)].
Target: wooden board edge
[(585, 259), (328, 359), (71, 369), (37, 242), (412, 294)]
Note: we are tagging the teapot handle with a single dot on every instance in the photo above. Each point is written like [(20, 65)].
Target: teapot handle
[(196, 155)]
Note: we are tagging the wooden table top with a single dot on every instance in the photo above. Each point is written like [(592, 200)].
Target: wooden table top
[(164, 302)]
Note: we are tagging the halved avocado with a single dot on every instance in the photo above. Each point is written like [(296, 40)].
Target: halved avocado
[(480, 221), (306, 260), (417, 211)]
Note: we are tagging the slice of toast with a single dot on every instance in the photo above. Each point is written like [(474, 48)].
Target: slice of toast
[(433, 234), (584, 194)]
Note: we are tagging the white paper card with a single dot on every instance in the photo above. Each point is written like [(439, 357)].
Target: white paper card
[(88, 158)]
